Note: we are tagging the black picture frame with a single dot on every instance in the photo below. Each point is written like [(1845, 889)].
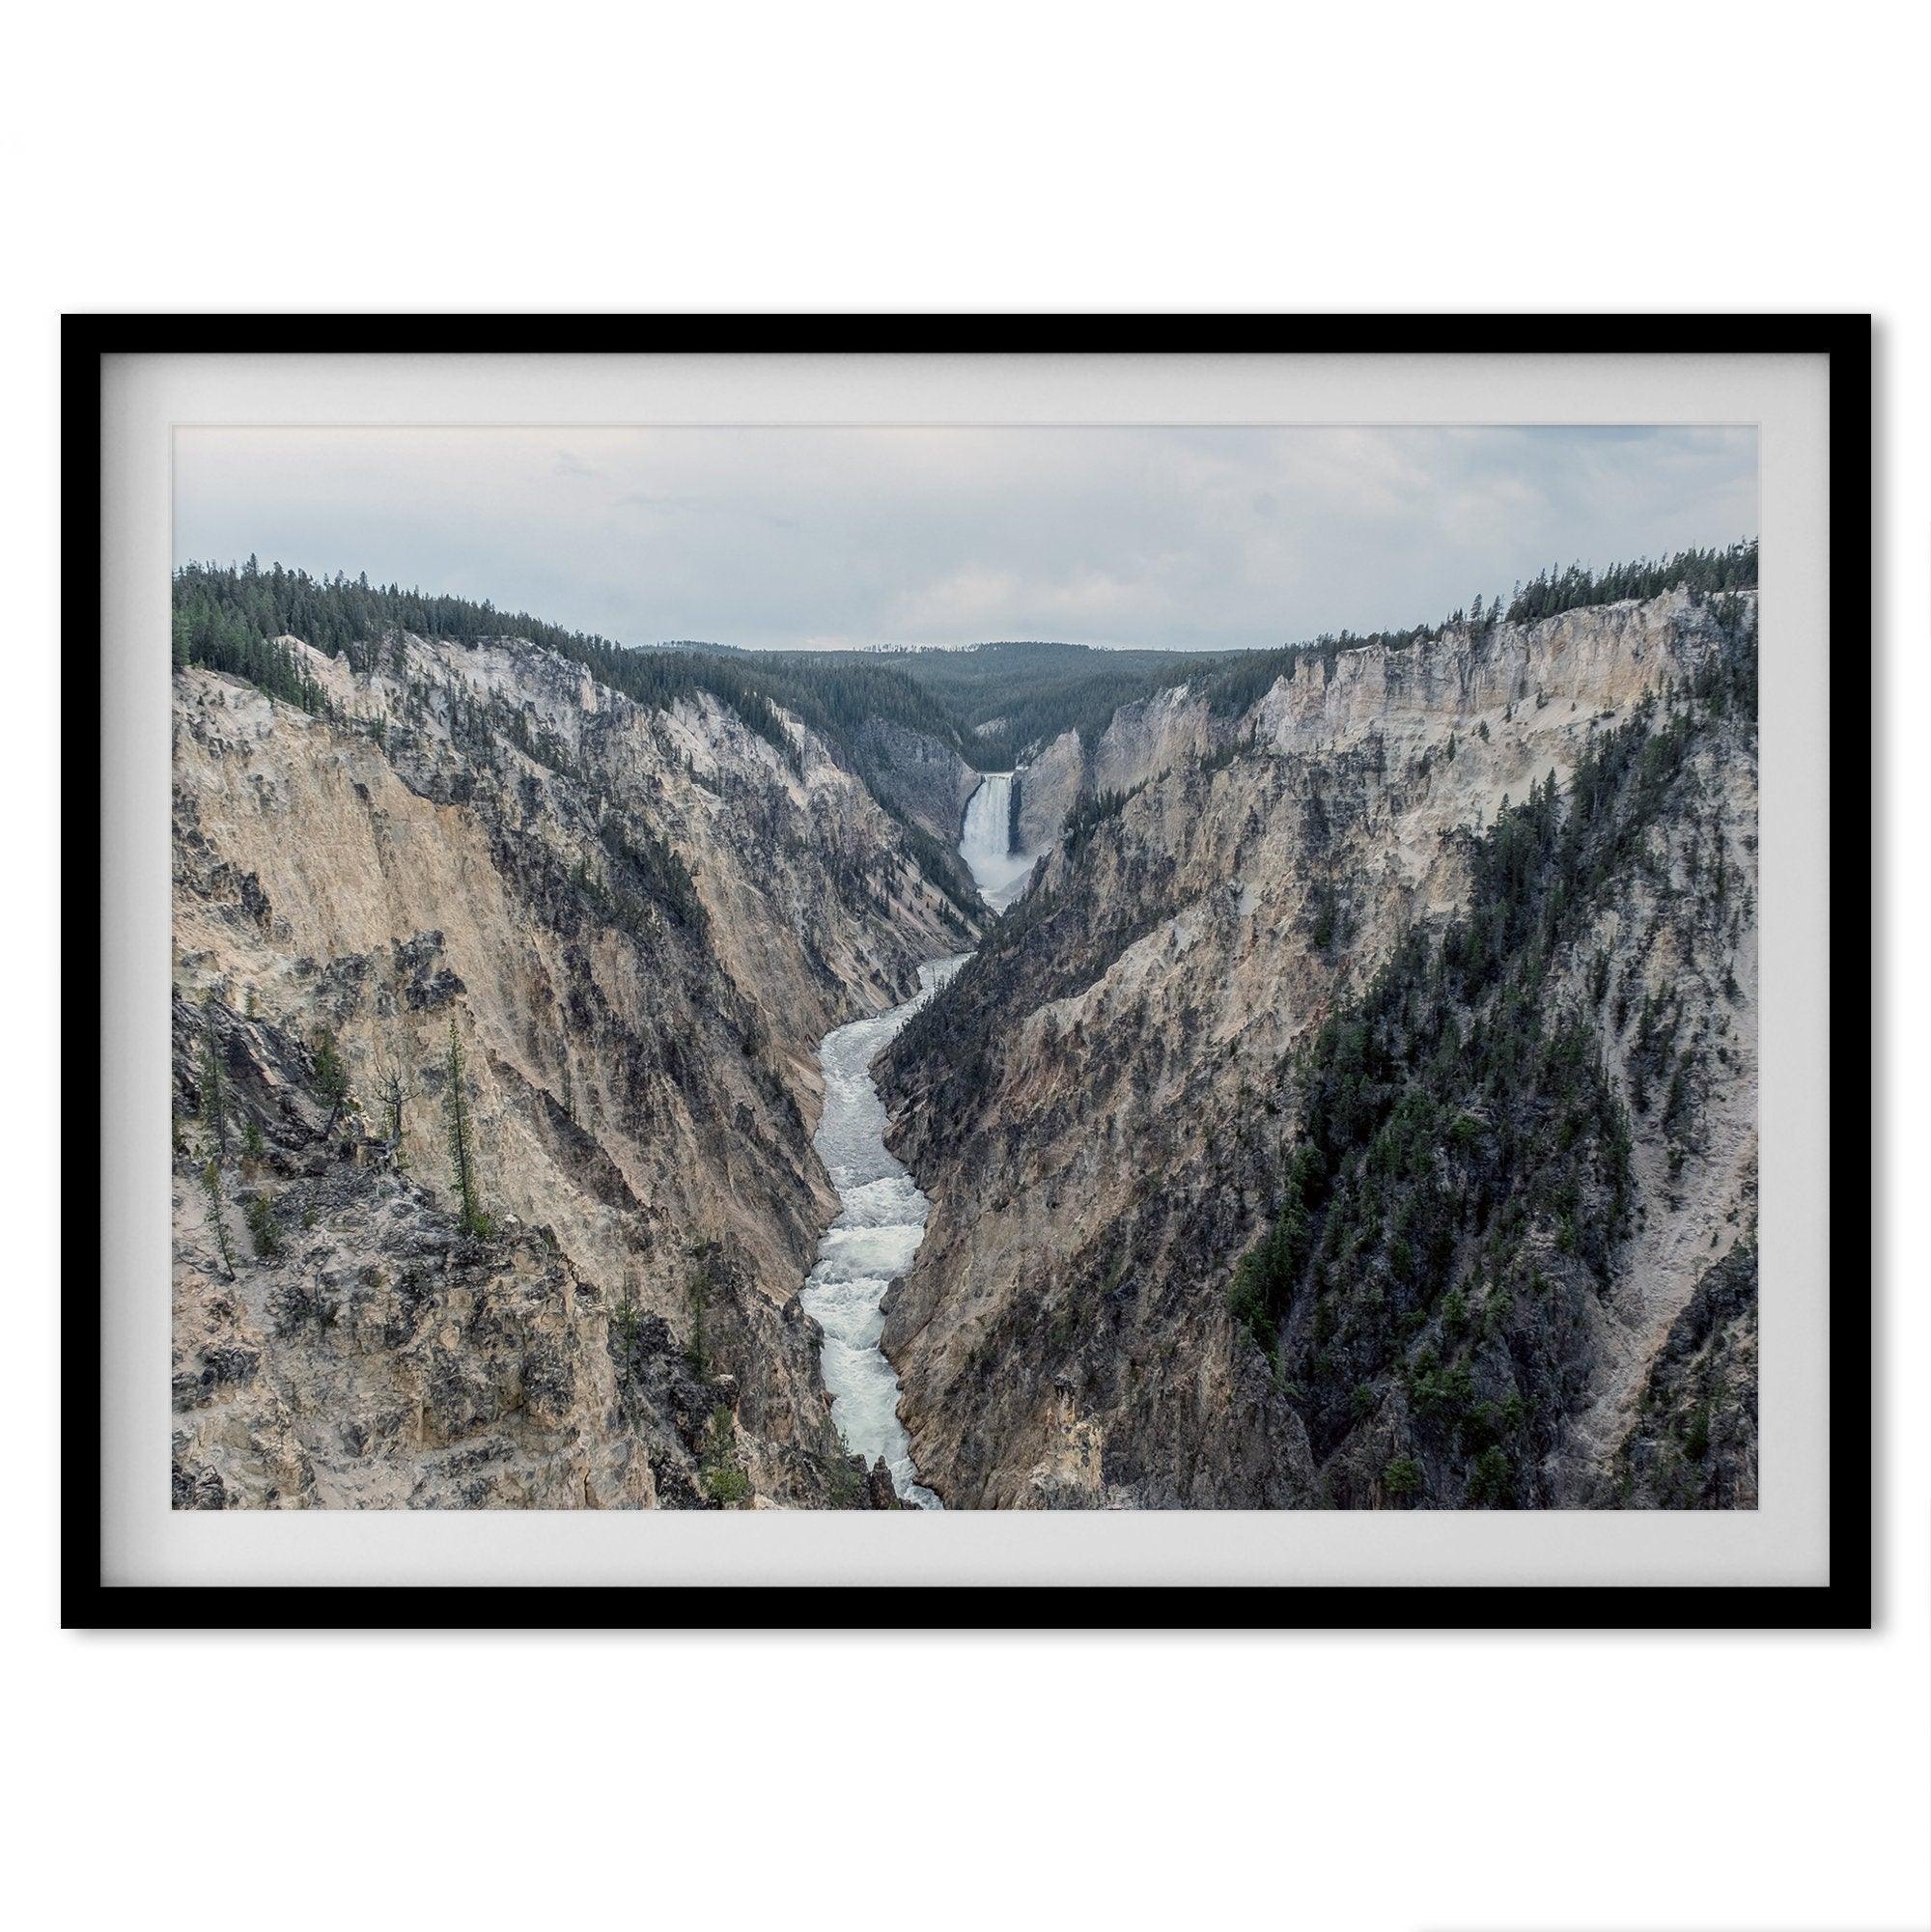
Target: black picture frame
[(1844, 1601)]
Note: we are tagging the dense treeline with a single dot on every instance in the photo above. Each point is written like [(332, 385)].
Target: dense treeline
[(1460, 1107), (230, 620), (1009, 698), (227, 619), (1230, 684), (1706, 572), (210, 629), (992, 703), (838, 697)]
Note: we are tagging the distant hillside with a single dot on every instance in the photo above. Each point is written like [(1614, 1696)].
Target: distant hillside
[(1008, 696), (1011, 698)]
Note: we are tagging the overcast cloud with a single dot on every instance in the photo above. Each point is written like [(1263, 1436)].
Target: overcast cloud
[(1199, 538)]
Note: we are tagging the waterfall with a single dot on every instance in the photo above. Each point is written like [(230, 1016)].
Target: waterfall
[(986, 844)]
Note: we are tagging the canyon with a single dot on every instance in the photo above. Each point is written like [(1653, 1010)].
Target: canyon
[(1326, 1083)]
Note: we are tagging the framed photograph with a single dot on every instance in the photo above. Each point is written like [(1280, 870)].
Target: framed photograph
[(995, 971)]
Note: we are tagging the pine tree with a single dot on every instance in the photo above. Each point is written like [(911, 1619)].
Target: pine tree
[(331, 1077), (211, 1183), (700, 1284), (264, 1227), (462, 1151)]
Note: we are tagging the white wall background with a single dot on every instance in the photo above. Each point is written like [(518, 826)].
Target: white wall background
[(878, 157)]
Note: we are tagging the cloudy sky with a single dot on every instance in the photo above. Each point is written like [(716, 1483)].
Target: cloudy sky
[(1201, 539)]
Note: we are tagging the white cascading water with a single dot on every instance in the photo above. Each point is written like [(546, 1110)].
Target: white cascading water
[(1000, 872), (871, 1241), (881, 1216)]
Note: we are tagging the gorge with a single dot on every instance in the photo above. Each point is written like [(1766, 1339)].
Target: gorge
[(1320, 1077), (883, 1217)]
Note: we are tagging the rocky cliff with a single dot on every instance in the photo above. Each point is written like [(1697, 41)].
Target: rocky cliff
[(1140, 740), (926, 780), (629, 926), (1354, 1109)]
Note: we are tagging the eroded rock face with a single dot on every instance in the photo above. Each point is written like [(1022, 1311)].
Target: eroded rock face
[(635, 926), (638, 924), (1692, 1443), (1050, 783), (1103, 1105), (926, 780), (1598, 659)]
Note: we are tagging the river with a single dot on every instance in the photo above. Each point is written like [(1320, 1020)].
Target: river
[(882, 1212), (871, 1243)]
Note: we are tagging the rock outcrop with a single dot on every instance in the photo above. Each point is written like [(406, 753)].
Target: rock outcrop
[(1692, 1442)]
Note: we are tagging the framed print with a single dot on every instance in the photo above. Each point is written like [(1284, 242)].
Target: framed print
[(997, 971)]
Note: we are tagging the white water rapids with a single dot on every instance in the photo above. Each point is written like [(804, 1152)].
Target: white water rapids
[(881, 1217), (871, 1241)]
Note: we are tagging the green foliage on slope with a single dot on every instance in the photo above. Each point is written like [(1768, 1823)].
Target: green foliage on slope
[(1459, 1127), (992, 703), (1011, 698), (210, 630), (1005, 698), (838, 695), (230, 620)]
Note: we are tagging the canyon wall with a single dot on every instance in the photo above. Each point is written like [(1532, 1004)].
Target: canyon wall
[(1107, 1106), (634, 924), (918, 775)]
